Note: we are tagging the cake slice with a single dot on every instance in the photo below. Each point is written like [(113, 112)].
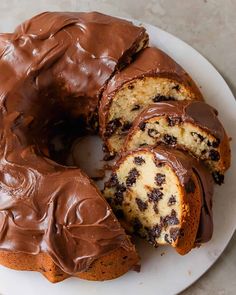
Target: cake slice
[(189, 125), (163, 196), (152, 77)]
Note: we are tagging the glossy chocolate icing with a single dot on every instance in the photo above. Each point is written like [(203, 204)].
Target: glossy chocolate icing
[(150, 62), (197, 112), (54, 66)]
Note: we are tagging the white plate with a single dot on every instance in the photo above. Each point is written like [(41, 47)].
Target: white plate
[(163, 271)]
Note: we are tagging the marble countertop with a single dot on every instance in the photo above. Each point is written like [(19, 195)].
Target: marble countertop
[(207, 25)]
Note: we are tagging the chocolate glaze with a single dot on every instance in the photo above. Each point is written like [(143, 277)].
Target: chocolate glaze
[(150, 62), (197, 112), (55, 66), (185, 166)]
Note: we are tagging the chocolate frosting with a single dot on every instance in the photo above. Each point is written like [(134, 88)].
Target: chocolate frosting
[(55, 65), (149, 62), (196, 112), (184, 167)]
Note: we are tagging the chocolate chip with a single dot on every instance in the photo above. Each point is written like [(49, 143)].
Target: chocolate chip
[(176, 87), (214, 143), (120, 189), (112, 126), (190, 186), (172, 121), (160, 178), (170, 140), (131, 86), (154, 233), (141, 204), (198, 136), (132, 177), (139, 161), (159, 97), (155, 208), (170, 219), (113, 181), (203, 152), (135, 107), (127, 125), (172, 200), (153, 133), (119, 214), (142, 126), (174, 233), (137, 225), (155, 195), (218, 177), (214, 155)]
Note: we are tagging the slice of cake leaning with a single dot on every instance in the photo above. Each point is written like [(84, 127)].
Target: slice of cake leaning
[(164, 196), (192, 126)]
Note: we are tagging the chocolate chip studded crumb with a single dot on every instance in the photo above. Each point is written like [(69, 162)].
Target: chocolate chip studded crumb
[(132, 177), (154, 233), (214, 155), (160, 178), (135, 107), (169, 139), (113, 181), (130, 86), (141, 204), (190, 186), (153, 133), (155, 208), (172, 121), (155, 195), (112, 126), (142, 126), (197, 136), (170, 219), (127, 125), (218, 177), (139, 161), (119, 198), (174, 233), (172, 200), (137, 225)]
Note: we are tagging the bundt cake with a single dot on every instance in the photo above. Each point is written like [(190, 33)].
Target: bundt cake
[(159, 193), (189, 125), (52, 217), (152, 77), (67, 74)]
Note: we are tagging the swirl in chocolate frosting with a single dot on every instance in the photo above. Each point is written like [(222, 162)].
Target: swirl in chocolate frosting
[(53, 67)]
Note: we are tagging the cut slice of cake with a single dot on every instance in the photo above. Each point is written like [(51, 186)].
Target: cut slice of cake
[(189, 125), (152, 77), (163, 196)]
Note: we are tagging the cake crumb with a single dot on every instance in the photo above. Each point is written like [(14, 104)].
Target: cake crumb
[(163, 253)]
